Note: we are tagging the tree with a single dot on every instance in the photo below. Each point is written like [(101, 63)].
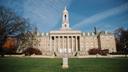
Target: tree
[(28, 40), (121, 35), (10, 24)]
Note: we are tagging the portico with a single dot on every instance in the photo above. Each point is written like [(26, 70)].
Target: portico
[(65, 42)]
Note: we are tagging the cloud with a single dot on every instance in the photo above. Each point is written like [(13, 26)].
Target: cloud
[(100, 16), (44, 13)]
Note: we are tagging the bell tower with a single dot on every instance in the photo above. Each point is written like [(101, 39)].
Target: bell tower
[(65, 19)]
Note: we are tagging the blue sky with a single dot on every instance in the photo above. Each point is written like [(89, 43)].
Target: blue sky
[(84, 14)]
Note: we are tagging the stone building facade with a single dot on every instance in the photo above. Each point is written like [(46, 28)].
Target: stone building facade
[(73, 42)]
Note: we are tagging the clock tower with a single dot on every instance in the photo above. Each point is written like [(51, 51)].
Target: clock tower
[(65, 19)]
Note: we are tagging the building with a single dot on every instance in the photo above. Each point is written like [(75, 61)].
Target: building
[(10, 42), (73, 42)]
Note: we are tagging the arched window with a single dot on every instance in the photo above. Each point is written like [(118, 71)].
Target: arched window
[(65, 25), (65, 17)]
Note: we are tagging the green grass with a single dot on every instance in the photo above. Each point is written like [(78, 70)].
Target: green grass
[(54, 65)]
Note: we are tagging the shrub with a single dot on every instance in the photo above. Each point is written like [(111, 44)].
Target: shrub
[(95, 51), (104, 52), (30, 51)]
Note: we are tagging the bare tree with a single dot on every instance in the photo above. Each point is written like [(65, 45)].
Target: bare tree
[(121, 35), (10, 24), (28, 40)]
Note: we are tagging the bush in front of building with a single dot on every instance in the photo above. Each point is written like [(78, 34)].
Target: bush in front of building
[(95, 51), (122, 52), (104, 52), (31, 51)]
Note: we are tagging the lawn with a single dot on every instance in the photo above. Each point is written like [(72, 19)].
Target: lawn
[(54, 65)]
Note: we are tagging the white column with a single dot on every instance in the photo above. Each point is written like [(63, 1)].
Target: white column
[(54, 43), (50, 43), (58, 42), (76, 43), (62, 42), (79, 46), (68, 43), (72, 43), (69, 40), (45, 43)]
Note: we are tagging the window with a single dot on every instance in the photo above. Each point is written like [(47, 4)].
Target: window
[(65, 25), (65, 17)]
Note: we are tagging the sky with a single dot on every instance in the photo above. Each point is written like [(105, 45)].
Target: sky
[(84, 15)]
